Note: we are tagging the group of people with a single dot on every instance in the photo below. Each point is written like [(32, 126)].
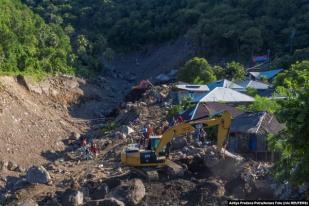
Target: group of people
[(148, 130), (90, 148), (200, 135)]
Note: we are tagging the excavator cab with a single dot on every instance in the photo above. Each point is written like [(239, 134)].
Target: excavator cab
[(136, 156)]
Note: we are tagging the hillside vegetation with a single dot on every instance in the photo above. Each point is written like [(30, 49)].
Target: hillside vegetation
[(219, 28), (30, 46)]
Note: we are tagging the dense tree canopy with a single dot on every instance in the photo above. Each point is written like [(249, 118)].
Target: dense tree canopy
[(196, 70), (294, 141), (28, 45), (295, 77), (294, 112), (219, 28)]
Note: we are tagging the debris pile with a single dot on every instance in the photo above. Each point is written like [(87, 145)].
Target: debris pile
[(207, 177)]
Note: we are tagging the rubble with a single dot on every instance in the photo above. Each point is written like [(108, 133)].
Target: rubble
[(203, 176)]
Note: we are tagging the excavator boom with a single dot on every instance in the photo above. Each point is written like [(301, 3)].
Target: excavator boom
[(223, 121), (134, 156)]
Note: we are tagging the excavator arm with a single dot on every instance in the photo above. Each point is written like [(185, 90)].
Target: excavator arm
[(223, 120)]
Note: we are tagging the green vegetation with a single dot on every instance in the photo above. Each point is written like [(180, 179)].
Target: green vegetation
[(28, 45), (234, 71), (251, 91), (295, 77), (293, 143), (264, 104), (294, 112), (108, 127), (196, 70), (219, 28), (186, 103)]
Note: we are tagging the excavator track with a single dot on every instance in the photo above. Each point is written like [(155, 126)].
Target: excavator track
[(150, 174)]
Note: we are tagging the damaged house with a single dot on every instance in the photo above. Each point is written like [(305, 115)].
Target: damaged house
[(194, 92), (249, 132), (203, 109)]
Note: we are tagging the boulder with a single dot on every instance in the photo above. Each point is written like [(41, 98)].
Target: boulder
[(38, 175), (100, 192), (28, 202), (131, 192), (72, 197), (137, 191)]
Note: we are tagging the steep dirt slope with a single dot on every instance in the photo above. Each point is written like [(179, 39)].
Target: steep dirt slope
[(152, 61), (32, 123)]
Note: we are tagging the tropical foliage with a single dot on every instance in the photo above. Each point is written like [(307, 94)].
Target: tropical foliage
[(294, 112), (28, 45), (196, 70), (219, 28)]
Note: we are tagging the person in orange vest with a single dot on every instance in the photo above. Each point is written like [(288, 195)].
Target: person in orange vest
[(149, 130)]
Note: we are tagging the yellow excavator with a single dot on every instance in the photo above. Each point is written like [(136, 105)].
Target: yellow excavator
[(155, 154)]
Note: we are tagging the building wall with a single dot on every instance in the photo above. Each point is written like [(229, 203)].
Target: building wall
[(253, 145)]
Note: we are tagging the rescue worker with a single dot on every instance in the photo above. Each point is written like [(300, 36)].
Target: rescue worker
[(197, 135), (149, 130), (143, 136), (203, 135), (83, 142), (94, 149)]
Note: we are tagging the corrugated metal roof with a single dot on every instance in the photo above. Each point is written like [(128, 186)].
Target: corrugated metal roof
[(267, 74), (192, 87), (254, 84), (256, 122), (224, 83), (221, 94)]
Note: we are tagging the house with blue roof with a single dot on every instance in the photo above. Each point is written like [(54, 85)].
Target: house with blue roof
[(269, 75), (225, 84)]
